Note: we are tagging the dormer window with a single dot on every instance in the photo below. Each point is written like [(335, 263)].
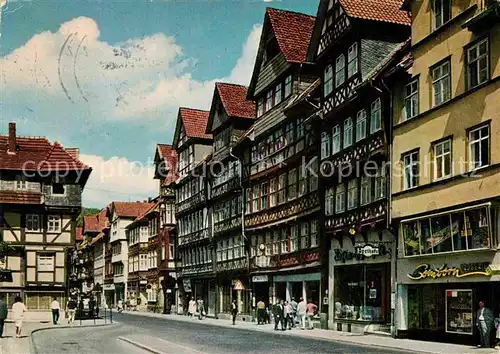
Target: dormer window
[(58, 189), (272, 49)]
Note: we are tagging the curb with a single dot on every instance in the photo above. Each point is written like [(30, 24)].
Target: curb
[(139, 345), (331, 340), (32, 340)]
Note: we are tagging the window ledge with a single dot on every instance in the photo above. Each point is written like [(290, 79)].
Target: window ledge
[(490, 249), (450, 101), (444, 27)]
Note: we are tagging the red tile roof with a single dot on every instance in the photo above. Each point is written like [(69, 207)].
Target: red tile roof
[(293, 32), (168, 153), (195, 122), (20, 197), (130, 209), (234, 100), (377, 10), (79, 235), (95, 223), (37, 154)]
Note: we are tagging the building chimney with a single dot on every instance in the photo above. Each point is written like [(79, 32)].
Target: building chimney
[(12, 138), (74, 152)]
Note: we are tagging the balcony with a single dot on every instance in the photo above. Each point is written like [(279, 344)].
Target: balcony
[(193, 237), (191, 202), (355, 218), (230, 185), (487, 16), (306, 203), (227, 225)]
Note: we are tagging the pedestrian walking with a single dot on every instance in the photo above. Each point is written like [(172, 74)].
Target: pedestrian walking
[(278, 315), (294, 304), (4, 311), (56, 308), (71, 310), (261, 312), (120, 306), (191, 307), (301, 313), (310, 311), (200, 309), (234, 311), (485, 323), (497, 330), (287, 315), (18, 310)]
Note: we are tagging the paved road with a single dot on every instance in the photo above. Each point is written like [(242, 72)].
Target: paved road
[(170, 336)]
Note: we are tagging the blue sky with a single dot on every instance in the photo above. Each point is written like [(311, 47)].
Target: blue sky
[(108, 76)]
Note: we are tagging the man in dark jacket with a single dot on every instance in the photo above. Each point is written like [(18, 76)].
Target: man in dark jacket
[(485, 322), (4, 311), (279, 313)]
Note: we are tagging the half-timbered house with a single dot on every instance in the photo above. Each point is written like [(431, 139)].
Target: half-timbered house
[(231, 114), (193, 146), (281, 201), (351, 41), (166, 161), (41, 186)]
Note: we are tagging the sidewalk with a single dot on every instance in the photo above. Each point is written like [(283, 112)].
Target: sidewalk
[(9, 344), (334, 336)]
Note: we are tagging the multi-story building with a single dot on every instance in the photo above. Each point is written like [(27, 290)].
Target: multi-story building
[(82, 273), (281, 200), (41, 186), (446, 168), (193, 146), (120, 215), (351, 42), (166, 161), (231, 114)]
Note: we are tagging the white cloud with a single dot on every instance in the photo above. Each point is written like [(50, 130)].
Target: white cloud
[(117, 179)]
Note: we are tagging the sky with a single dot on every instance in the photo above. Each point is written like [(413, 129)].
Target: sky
[(108, 76)]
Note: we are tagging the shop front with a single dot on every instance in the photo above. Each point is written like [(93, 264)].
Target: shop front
[(360, 282), (234, 288), (200, 289), (447, 263)]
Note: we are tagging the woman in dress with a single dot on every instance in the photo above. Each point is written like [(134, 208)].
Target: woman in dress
[(18, 310)]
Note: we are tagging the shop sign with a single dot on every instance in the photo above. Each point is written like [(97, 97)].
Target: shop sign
[(424, 271), (187, 285), (143, 282), (260, 279), (362, 252)]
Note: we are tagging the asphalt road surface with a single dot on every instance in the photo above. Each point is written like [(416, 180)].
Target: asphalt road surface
[(171, 336)]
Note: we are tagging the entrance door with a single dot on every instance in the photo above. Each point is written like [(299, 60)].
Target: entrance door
[(261, 292), (296, 290), (377, 281), (280, 291)]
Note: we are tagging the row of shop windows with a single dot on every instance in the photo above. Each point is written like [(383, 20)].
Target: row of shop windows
[(449, 232), (286, 240), (288, 186)]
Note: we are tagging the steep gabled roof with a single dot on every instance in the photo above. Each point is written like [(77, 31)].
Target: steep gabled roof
[(168, 154), (129, 209), (95, 223), (144, 215), (234, 100), (194, 122)]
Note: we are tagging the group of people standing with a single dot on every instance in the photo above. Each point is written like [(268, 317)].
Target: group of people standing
[(287, 313), (196, 308)]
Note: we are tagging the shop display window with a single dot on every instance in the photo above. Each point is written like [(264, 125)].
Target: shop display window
[(361, 292), (459, 313), (425, 307), (449, 232)]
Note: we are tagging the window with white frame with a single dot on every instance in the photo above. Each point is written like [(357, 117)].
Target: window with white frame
[(339, 70), (376, 116), (285, 241), (411, 100), (361, 125), (292, 184), (276, 242), (379, 190), (143, 262), (365, 190), (411, 170), (171, 251), (294, 239), (314, 240), (479, 147), (328, 80), (441, 83), (255, 198), (442, 159), (336, 139), (352, 60), (54, 223), (329, 201), (45, 263), (348, 132), (477, 64), (304, 235), (32, 222), (267, 250), (151, 295), (273, 192), (302, 186), (314, 175), (269, 100), (288, 86), (260, 107), (442, 12), (352, 194), (277, 93), (325, 145), (340, 198), (281, 188), (263, 196)]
